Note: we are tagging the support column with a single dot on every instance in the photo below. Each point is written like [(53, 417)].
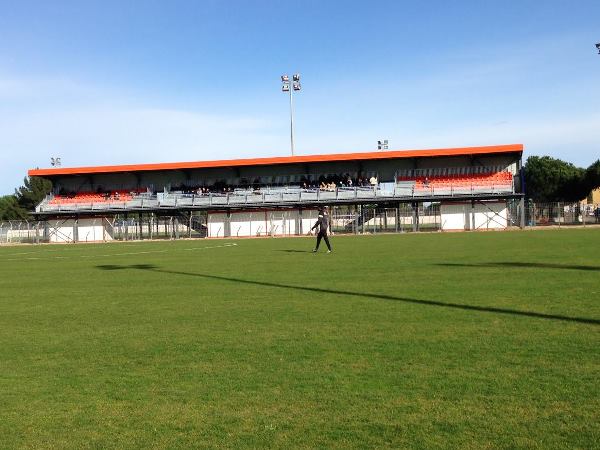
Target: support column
[(415, 221), (227, 225), (362, 219), (384, 219), (522, 212), (126, 221), (76, 230), (140, 227)]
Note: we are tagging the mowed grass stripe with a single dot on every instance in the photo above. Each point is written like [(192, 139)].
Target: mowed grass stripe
[(267, 344)]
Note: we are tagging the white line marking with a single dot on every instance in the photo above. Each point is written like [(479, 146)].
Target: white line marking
[(191, 249)]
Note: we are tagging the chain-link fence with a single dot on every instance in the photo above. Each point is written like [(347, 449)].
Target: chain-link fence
[(152, 226), (374, 219), (349, 219), (560, 214), (26, 232)]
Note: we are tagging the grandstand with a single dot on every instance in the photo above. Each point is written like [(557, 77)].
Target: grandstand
[(470, 188)]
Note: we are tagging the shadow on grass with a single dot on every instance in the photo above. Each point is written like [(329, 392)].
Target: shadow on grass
[(294, 251), (153, 268), (526, 265)]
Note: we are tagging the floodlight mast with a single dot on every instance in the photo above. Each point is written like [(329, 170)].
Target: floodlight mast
[(286, 86), (598, 47)]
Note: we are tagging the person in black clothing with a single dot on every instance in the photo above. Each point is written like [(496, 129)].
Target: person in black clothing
[(322, 224)]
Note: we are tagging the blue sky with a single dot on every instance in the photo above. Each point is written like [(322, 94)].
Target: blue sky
[(132, 82)]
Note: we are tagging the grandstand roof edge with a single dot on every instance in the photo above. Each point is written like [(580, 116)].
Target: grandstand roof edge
[(335, 157)]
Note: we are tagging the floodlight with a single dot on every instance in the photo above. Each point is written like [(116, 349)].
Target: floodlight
[(598, 47), (289, 86)]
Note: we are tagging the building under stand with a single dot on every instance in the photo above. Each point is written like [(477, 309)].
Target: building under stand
[(439, 189)]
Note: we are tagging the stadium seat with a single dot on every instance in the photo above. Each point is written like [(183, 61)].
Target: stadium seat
[(485, 180)]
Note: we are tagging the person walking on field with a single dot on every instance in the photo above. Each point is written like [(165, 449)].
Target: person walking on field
[(322, 224)]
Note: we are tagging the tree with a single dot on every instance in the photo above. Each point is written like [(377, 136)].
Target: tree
[(32, 192), (592, 176), (10, 209), (548, 179)]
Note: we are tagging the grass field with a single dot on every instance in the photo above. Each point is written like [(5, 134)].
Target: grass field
[(467, 340)]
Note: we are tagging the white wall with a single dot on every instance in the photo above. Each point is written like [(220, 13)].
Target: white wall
[(216, 224), (260, 223), (491, 216), (484, 216), (88, 230)]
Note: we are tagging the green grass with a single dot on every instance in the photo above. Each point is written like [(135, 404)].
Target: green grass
[(484, 340)]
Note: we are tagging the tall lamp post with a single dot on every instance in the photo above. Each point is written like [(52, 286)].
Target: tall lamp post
[(287, 86), (598, 47)]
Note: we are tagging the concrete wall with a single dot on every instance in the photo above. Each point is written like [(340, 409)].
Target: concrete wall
[(83, 230), (260, 223), (483, 216)]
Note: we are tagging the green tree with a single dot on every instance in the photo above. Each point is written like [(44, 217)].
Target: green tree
[(548, 179), (10, 209), (32, 192), (592, 176)]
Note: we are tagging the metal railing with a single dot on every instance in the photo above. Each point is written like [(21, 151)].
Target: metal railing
[(272, 197)]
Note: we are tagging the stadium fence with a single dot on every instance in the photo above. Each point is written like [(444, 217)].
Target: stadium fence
[(406, 217)]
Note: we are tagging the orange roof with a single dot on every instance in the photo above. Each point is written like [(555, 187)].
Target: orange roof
[(363, 156)]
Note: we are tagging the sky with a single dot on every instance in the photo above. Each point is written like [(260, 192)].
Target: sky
[(124, 82)]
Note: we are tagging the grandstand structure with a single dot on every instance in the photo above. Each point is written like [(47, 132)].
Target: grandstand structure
[(469, 188)]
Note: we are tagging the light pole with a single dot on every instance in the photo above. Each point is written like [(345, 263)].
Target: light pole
[(286, 86), (598, 47)]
